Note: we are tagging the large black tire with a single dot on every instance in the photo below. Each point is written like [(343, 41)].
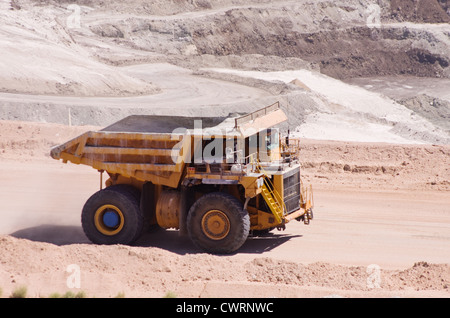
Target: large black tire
[(113, 216), (217, 223)]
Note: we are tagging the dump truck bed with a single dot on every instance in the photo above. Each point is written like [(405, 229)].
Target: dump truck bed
[(162, 124)]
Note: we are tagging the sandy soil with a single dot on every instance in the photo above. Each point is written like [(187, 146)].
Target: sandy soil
[(391, 240), (370, 102)]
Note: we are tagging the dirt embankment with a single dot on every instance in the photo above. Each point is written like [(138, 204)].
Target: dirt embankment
[(372, 165), (333, 35), (40, 56), (421, 11), (108, 271), (433, 108), (341, 52), (28, 141)]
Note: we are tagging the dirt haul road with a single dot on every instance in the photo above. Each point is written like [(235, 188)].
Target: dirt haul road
[(375, 233)]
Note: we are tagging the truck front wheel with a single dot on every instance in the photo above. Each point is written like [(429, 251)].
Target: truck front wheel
[(217, 223), (113, 216)]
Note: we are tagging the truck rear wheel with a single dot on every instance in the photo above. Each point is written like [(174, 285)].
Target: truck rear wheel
[(217, 223), (113, 216)]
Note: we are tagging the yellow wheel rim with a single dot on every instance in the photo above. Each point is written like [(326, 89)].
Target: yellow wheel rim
[(108, 219), (215, 224)]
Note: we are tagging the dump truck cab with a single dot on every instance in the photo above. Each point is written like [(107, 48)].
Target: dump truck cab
[(216, 180)]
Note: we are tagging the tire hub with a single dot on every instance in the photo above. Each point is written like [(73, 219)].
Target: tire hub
[(108, 219), (215, 224), (111, 219)]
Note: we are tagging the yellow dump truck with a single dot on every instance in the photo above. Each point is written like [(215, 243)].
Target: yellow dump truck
[(217, 180)]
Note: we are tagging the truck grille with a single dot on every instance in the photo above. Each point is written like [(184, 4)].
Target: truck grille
[(291, 193)]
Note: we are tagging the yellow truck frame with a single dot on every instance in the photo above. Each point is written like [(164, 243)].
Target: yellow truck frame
[(217, 180)]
